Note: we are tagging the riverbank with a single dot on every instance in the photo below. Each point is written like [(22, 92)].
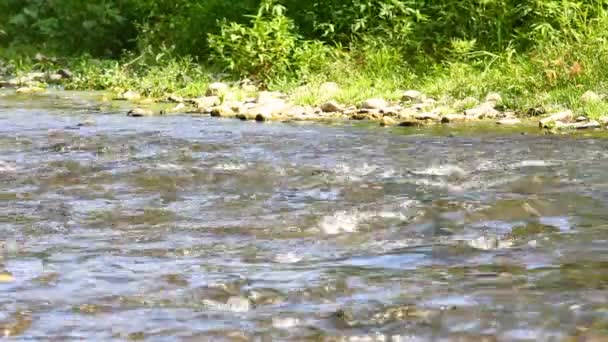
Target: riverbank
[(245, 100)]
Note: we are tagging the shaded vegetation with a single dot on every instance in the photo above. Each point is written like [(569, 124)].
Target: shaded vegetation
[(533, 51)]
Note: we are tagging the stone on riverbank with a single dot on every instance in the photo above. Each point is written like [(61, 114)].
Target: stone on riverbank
[(331, 107), (452, 118), (578, 125), (412, 96), (388, 121), (562, 117), (495, 98), (375, 103), (223, 111), (65, 73), (129, 95), (590, 97), (485, 110), (216, 89), (29, 90), (427, 117), (204, 104)]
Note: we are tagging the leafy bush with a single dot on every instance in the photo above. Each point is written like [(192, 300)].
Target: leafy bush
[(267, 48), (70, 26)]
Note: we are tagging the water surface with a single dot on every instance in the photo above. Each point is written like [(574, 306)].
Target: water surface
[(192, 228)]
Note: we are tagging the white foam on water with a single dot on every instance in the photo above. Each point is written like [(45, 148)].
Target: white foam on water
[(448, 170), (340, 222), (234, 304), (349, 221), (230, 167), (287, 258), (534, 163), (285, 322), (6, 167)]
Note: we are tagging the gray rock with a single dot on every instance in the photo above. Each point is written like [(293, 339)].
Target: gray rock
[(590, 96), (206, 102), (55, 77), (223, 111), (129, 95), (374, 103), (267, 109), (178, 108), (603, 119), (175, 98), (216, 89), (578, 125), (581, 118), (563, 117), (388, 121), (331, 107), (494, 97), (451, 118), (412, 95), (485, 110), (427, 116), (65, 73), (29, 90)]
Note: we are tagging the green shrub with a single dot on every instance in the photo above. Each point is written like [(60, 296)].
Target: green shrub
[(267, 48)]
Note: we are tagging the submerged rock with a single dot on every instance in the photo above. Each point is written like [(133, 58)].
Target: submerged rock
[(139, 112)]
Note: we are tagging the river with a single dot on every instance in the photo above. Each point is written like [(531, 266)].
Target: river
[(193, 228)]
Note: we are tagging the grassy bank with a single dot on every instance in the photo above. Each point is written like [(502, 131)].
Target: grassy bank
[(536, 54)]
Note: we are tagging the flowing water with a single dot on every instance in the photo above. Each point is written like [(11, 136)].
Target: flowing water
[(198, 229)]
